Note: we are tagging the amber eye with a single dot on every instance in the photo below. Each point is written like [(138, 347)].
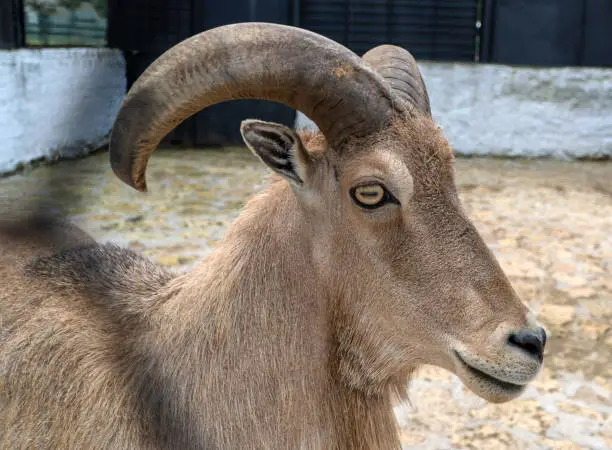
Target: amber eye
[(372, 195)]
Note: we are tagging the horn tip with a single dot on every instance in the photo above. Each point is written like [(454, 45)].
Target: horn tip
[(138, 183)]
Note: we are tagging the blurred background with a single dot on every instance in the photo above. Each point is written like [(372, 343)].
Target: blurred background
[(522, 89)]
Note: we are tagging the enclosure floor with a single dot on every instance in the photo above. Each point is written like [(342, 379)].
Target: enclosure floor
[(549, 223)]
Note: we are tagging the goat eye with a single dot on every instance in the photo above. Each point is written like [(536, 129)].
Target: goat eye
[(371, 195)]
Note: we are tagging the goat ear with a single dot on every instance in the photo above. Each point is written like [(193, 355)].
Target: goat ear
[(279, 147)]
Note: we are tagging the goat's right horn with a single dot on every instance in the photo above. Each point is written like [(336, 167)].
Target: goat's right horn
[(301, 69), (401, 72)]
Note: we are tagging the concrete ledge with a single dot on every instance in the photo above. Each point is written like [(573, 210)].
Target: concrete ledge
[(62, 103), (485, 109), (57, 102)]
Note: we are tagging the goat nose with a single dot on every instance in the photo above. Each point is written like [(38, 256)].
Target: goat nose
[(531, 341)]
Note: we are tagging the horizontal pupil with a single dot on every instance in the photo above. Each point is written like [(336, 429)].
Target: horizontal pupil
[(370, 194)]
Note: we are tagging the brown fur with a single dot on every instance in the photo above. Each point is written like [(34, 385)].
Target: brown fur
[(294, 333)]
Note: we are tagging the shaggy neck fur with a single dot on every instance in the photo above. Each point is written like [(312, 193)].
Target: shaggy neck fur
[(249, 335)]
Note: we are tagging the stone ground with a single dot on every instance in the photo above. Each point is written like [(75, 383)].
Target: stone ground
[(550, 224)]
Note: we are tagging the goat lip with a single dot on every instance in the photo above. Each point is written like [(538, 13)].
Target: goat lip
[(479, 374)]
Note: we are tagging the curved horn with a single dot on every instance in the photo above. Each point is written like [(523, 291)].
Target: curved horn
[(298, 68), (399, 69)]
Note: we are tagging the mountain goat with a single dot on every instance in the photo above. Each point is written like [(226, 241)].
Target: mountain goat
[(354, 267)]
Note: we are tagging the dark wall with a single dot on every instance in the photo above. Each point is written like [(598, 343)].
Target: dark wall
[(144, 29), (221, 123), (12, 33), (550, 32), (597, 33), (439, 30)]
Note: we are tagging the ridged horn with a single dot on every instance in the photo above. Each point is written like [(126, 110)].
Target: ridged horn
[(301, 69), (399, 69)]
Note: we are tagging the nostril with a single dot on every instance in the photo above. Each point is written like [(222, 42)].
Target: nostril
[(543, 334), (530, 341)]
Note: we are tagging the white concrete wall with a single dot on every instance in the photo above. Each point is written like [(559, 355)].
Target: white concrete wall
[(62, 103), (520, 111), (57, 102)]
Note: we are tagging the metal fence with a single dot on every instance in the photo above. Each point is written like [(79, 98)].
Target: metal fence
[(65, 22), (440, 30), (80, 32)]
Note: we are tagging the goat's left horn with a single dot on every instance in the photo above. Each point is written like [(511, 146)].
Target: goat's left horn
[(301, 69), (399, 69)]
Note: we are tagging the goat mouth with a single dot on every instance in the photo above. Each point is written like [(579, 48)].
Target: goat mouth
[(482, 376)]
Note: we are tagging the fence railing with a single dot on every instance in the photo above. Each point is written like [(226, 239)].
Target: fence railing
[(65, 22), (81, 32)]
